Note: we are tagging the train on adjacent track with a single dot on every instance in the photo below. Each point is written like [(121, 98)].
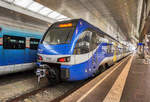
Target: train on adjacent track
[(18, 49), (76, 50)]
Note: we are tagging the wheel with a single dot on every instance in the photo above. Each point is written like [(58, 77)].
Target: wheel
[(106, 66), (53, 76), (102, 69)]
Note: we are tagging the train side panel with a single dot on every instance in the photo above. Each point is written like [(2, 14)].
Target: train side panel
[(14, 53)]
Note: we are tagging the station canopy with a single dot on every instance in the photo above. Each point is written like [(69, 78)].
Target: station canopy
[(38, 8)]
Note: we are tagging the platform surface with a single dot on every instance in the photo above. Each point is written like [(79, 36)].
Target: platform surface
[(137, 87), (127, 81)]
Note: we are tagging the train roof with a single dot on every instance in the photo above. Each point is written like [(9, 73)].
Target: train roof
[(96, 28), (20, 32)]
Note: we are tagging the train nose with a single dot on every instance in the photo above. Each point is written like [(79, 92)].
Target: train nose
[(54, 49), (40, 50)]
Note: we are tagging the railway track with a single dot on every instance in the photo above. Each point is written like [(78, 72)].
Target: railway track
[(59, 91), (26, 95)]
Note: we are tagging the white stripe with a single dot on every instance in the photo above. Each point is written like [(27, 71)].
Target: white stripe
[(16, 68), (75, 59)]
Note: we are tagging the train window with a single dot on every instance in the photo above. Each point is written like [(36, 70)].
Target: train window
[(59, 35), (113, 48), (34, 43), (94, 41), (83, 43), (109, 48), (99, 39), (13, 42)]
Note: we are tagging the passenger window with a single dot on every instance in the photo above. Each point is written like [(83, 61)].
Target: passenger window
[(34, 43), (94, 41), (83, 43), (109, 47), (99, 39), (13, 42)]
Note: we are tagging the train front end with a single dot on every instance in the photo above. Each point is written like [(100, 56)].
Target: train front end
[(55, 52)]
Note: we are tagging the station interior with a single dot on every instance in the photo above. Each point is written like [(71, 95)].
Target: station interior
[(74, 50)]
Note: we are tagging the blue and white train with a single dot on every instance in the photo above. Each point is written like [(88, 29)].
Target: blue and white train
[(76, 50), (18, 49)]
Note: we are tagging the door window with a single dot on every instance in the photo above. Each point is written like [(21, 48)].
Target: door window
[(83, 43)]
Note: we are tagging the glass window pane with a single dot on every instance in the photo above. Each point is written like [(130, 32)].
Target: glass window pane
[(13, 42), (83, 43), (35, 7), (23, 3), (59, 36), (34, 43), (54, 15), (45, 11)]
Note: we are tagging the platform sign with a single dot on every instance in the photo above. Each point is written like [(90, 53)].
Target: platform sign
[(1, 41), (140, 44)]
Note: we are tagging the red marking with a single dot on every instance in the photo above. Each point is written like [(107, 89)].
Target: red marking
[(40, 58)]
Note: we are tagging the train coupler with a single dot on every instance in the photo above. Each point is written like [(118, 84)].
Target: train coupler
[(41, 72)]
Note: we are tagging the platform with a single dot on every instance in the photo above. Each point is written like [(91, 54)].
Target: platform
[(126, 81)]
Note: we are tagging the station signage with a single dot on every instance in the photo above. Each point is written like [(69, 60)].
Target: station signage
[(140, 44)]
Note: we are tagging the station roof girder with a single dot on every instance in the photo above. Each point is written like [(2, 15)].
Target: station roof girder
[(34, 9), (120, 14)]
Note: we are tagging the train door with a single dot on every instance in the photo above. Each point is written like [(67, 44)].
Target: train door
[(82, 52), (94, 49), (33, 49), (110, 53), (115, 52)]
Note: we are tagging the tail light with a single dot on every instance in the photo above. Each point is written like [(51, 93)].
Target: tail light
[(40, 58), (63, 59)]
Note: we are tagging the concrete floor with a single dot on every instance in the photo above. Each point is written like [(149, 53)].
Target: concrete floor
[(137, 87)]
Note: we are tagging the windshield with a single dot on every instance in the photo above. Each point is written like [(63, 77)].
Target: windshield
[(59, 35)]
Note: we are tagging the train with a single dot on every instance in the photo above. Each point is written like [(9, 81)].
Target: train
[(18, 49), (76, 50)]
